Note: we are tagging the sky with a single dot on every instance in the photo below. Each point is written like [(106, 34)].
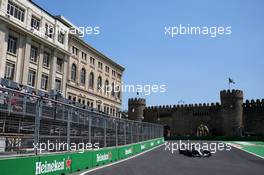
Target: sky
[(194, 68)]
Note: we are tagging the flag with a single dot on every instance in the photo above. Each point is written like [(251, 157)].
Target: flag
[(231, 81)]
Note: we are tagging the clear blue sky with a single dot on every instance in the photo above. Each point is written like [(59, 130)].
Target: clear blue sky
[(193, 68)]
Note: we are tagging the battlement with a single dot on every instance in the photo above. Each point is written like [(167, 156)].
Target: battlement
[(254, 103), (137, 101), (183, 107), (231, 93)]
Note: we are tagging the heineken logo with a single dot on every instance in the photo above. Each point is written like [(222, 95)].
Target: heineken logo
[(49, 167), (103, 157), (142, 146), (128, 151)]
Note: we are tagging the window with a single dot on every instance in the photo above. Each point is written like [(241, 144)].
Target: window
[(113, 90), (15, 11), (99, 83), (91, 80), (9, 71), (84, 56), (31, 78), (74, 51), (73, 72), (100, 65), (92, 60), (113, 73), (83, 76), (44, 82), (46, 59), (119, 76), (59, 64), (48, 30), (106, 86), (34, 54), (69, 97), (119, 92), (35, 22), (58, 84), (107, 110), (12, 44), (61, 36), (107, 69)]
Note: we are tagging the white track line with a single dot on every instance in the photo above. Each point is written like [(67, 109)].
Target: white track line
[(245, 151), (119, 161)]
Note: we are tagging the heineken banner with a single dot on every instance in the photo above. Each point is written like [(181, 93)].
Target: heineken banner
[(65, 163)]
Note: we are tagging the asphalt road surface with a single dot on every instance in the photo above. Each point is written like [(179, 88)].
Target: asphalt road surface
[(161, 162)]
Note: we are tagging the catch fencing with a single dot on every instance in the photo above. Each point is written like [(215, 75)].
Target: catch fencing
[(27, 120)]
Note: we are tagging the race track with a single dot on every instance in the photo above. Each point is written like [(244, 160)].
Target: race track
[(161, 162)]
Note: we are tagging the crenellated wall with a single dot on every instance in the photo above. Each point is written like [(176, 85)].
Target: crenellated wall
[(230, 118), (253, 116), (184, 119)]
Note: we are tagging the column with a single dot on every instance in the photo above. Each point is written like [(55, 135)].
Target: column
[(65, 75), (40, 63), (53, 67), (25, 64), (3, 48)]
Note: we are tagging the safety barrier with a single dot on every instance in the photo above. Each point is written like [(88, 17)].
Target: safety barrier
[(217, 138), (70, 162)]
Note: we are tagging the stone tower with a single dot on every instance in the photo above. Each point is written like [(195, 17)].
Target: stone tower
[(232, 112), (136, 107)]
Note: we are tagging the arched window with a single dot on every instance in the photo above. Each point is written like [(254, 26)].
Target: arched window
[(91, 80), (83, 76), (106, 86), (73, 72), (99, 82), (113, 90)]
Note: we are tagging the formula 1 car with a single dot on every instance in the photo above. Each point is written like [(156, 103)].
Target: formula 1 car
[(195, 152)]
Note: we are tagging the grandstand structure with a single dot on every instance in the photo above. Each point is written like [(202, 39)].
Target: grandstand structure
[(27, 119)]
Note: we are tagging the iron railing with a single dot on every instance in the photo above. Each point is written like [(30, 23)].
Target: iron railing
[(27, 120)]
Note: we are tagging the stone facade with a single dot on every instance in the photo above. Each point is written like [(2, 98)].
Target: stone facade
[(231, 117), (38, 50)]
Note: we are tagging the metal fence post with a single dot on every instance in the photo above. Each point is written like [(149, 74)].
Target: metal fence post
[(104, 132), (37, 123), (125, 125), (90, 129), (69, 118), (137, 132), (131, 132), (116, 133)]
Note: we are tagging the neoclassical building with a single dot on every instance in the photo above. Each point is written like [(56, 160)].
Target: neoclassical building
[(38, 50), (92, 76)]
